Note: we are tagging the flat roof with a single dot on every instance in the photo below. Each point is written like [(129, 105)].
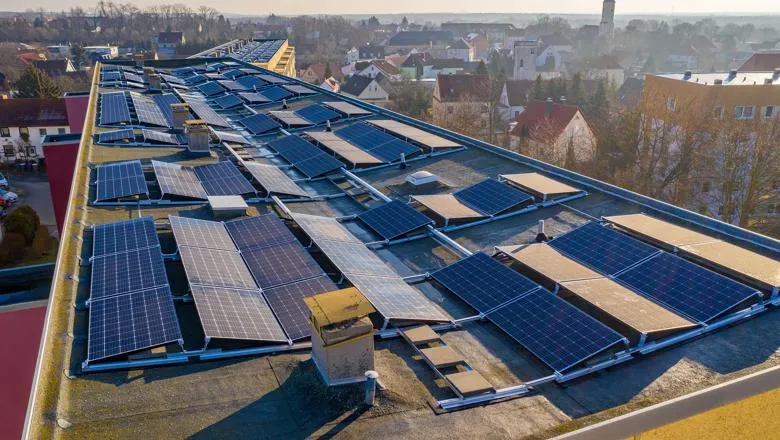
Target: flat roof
[(740, 79), (283, 395)]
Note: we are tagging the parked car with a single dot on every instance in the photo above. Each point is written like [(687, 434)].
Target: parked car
[(9, 197), (3, 182)]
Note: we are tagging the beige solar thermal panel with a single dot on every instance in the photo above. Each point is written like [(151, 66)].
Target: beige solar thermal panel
[(740, 260), (469, 383), (346, 108), (539, 184), (347, 151), (447, 206), (422, 334), (628, 307), (289, 118), (658, 230), (442, 356), (548, 262), (423, 137)]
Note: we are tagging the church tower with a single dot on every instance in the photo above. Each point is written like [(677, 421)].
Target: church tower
[(607, 26), (525, 51)]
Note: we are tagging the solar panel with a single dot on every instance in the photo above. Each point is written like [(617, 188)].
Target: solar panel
[(394, 219), (123, 236), (196, 79), (393, 298), (273, 79), (280, 263), (134, 77), (287, 303), (128, 323), (324, 228), (183, 71), (391, 151), (124, 272), (251, 82), (254, 98), (231, 137), (346, 108), (120, 180), (147, 111), (274, 180), (110, 76), (200, 233), (377, 142), (299, 89), (354, 258), (117, 135), (205, 112), (231, 85), (236, 314), (164, 102), (483, 282), (172, 79), (259, 123), (307, 158), (259, 231), (555, 331), (289, 118), (161, 137), (686, 287), (211, 88), (491, 197), (316, 114), (233, 74), (218, 268), (603, 249), (276, 93), (228, 101), (177, 180), (114, 108), (223, 179)]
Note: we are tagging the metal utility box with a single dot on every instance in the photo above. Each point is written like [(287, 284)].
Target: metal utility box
[(342, 335)]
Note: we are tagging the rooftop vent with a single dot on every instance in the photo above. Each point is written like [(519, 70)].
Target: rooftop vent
[(422, 178), (718, 82), (776, 75), (732, 74), (228, 206), (688, 74)]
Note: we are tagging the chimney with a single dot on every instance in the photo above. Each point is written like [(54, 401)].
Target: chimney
[(687, 75), (198, 136), (548, 106), (154, 82), (327, 126), (541, 237), (181, 111), (148, 71), (284, 104)]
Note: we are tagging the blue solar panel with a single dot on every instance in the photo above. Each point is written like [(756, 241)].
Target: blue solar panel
[(233, 74), (279, 264), (251, 82), (164, 101), (299, 89), (483, 282), (124, 236), (120, 180), (603, 249), (211, 88), (110, 76), (114, 108), (276, 93), (129, 271), (492, 197), (253, 98), (232, 85), (394, 219), (223, 179), (307, 158), (377, 142), (196, 79), (288, 305), (316, 114), (391, 151), (183, 71), (558, 333), (686, 287), (205, 112), (228, 101), (259, 123), (116, 135), (132, 322), (260, 231)]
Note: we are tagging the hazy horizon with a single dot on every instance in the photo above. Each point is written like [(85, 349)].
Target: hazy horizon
[(300, 7)]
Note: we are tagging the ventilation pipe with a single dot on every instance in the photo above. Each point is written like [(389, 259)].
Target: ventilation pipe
[(327, 126), (198, 136), (284, 104), (687, 75), (541, 237), (154, 82)]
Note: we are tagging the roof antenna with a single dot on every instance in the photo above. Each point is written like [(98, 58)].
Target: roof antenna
[(541, 237), (327, 126)]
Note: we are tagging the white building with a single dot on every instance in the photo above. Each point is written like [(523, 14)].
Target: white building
[(525, 52), (25, 121), (351, 56)]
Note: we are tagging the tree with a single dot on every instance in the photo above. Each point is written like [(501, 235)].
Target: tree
[(481, 68), (575, 94), (24, 221), (78, 56), (597, 106), (404, 22), (373, 22), (538, 88), (36, 84)]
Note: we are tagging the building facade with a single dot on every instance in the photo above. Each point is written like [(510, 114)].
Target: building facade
[(24, 122)]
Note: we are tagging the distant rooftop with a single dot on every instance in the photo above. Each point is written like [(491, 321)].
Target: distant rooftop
[(736, 78)]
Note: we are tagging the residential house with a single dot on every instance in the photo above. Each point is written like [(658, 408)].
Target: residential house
[(553, 52), (351, 56), (458, 49), (436, 67), (553, 132), (684, 58), (97, 53), (414, 65), (371, 52), (512, 36), (419, 40), (378, 67), (58, 51), (318, 72), (366, 88), (54, 68), (606, 67), (25, 121), (331, 84), (480, 44), (494, 32), (762, 62), (30, 56), (515, 94), (168, 43), (526, 67), (462, 99)]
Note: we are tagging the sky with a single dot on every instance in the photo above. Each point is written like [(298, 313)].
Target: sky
[(290, 7)]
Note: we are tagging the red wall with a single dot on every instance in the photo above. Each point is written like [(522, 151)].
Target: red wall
[(60, 165), (76, 106)]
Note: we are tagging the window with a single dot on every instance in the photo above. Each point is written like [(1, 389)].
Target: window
[(24, 131), (744, 112), (521, 63), (705, 187), (450, 109), (717, 112), (42, 131), (60, 130), (5, 132), (769, 112), (671, 103), (484, 108)]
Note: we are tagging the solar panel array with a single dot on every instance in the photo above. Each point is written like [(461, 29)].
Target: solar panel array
[(211, 88), (131, 306), (558, 333), (200, 233), (287, 303), (491, 197), (228, 101), (231, 137), (276, 93), (120, 180), (603, 249), (273, 79), (233, 86), (116, 135), (164, 102), (177, 180), (304, 156), (299, 89), (147, 111), (217, 268), (346, 108), (205, 112), (274, 180), (279, 264), (394, 219), (223, 179), (483, 282), (377, 142), (236, 314), (161, 137), (251, 82), (289, 118), (259, 123), (233, 74), (114, 108), (257, 51), (316, 114), (254, 98)]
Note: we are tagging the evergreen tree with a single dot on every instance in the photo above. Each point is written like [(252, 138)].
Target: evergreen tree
[(78, 56), (550, 90), (404, 22), (575, 94), (598, 105), (538, 88), (373, 22), (481, 68), (36, 84)]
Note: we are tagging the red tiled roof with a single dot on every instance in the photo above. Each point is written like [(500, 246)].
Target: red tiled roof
[(33, 112), (542, 126), (52, 68), (454, 88), (29, 57), (319, 70), (761, 62)]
